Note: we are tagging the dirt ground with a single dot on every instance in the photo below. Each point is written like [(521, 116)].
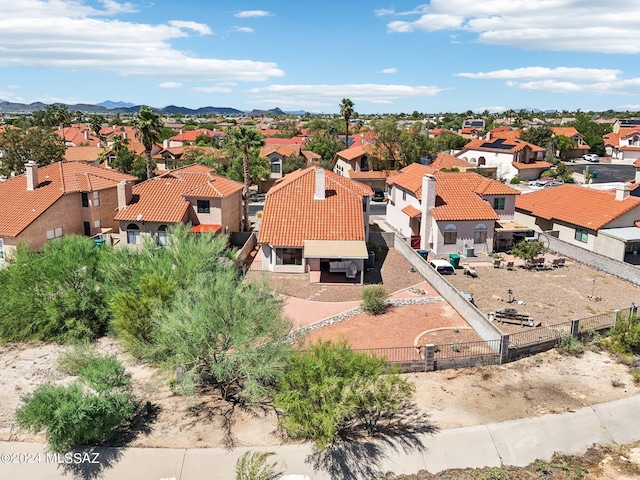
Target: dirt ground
[(543, 384)]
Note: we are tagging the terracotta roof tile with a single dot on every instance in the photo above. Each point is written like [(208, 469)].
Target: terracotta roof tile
[(354, 152), (20, 207), (371, 174), (411, 211), (162, 198), (456, 198), (292, 215), (410, 178), (285, 150), (525, 166), (90, 153), (584, 207), (444, 160)]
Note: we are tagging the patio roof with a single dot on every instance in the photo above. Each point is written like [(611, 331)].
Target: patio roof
[(626, 234), (203, 227), (511, 226), (335, 249), (412, 211)]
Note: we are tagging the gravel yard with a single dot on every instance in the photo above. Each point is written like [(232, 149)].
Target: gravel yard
[(549, 296)]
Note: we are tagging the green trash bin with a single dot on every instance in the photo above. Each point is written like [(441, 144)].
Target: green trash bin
[(454, 260), (424, 254), (594, 174), (99, 242)]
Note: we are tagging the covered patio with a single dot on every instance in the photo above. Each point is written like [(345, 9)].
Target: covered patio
[(508, 233), (335, 261)]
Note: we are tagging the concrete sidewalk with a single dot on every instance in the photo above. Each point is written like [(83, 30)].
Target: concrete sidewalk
[(516, 442)]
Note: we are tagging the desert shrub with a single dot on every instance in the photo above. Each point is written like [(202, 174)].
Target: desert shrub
[(72, 415), (101, 373), (636, 376), (570, 345), (374, 247), (254, 466), (54, 293), (374, 299), (625, 335), (515, 180), (330, 392)]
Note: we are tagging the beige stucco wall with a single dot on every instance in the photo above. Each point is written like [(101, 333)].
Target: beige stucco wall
[(609, 247), (231, 213), (269, 262), (465, 236), (509, 205)]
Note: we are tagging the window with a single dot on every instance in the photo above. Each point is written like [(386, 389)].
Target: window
[(1, 249), (275, 165), (404, 195), (133, 234), (87, 229), (96, 199), (162, 239), (85, 199), (97, 224), (203, 206), (498, 203), (288, 256), (364, 163), (480, 233), (450, 235), (55, 233), (364, 204), (581, 235)]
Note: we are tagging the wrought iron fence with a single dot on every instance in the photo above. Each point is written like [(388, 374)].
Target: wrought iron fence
[(540, 335), (395, 354), (597, 322), (480, 348)]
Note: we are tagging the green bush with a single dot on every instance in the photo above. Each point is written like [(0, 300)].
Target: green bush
[(374, 299), (253, 466), (570, 345), (374, 247), (71, 415), (515, 180), (625, 335), (330, 392)]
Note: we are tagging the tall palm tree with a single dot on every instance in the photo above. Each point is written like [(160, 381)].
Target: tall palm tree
[(346, 110), (246, 139), (147, 124)]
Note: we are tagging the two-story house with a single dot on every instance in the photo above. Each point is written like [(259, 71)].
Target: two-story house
[(315, 221), (190, 195), (581, 147), (444, 212), (58, 199), (623, 147)]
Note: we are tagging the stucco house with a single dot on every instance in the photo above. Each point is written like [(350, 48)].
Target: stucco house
[(623, 147), (581, 146), (444, 212), (604, 222), (58, 199), (315, 221), (353, 159), (510, 156), (192, 194)]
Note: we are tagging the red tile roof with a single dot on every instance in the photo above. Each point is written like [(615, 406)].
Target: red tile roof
[(500, 145), (410, 178), (19, 207), (292, 215), (164, 198), (357, 151), (411, 211), (584, 207), (284, 150), (206, 228), (371, 174), (285, 141), (191, 135), (82, 153), (532, 165), (444, 160)]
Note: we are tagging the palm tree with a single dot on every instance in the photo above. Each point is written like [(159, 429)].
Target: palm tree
[(245, 139), (148, 125), (346, 110)]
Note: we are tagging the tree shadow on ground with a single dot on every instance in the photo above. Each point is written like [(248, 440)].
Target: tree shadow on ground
[(355, 456), (373, 276), (90, 462)]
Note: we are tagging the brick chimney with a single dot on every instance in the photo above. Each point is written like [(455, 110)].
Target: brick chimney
[(125, 193), (622, 193), (426, 204), (31, 169), (320, 184)]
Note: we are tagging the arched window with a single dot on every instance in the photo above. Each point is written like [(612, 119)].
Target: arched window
[(482, 161), (162, 238), (480, 233), (133, 234), (450, 234)]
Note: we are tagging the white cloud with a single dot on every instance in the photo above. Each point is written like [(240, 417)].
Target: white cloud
[(557, 25), (390, 11), (389, 70), (492, 109), (70, 35), (200, 28), (594, 81), (631, 108), (242, 29), (253, 14), (330, 95), (113, 8), (170, 85), (212, 89)]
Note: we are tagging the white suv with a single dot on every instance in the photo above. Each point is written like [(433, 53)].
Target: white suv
[(591, 157)]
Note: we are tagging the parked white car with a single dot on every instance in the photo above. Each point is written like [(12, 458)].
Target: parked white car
[(591, 157)]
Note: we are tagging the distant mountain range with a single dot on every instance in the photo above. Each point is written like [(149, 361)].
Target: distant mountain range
[(109, 106)]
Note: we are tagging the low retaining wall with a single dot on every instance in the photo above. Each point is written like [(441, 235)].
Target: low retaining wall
[(474, 317), (383, 238), (600, 262), (247, 240)]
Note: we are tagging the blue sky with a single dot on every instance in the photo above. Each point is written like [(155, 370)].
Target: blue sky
[(438, 56)]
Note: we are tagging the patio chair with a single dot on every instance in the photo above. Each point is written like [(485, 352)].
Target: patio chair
[(497, 262), (510, 265)]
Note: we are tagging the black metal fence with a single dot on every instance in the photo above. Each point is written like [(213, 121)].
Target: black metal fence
[(465, 353)]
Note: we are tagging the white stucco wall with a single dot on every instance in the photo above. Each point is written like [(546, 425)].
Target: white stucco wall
[(509, 205), (395, 217), (269, 262), (501, 161), (465, 236)]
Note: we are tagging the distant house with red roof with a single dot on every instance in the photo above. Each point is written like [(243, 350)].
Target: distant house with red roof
[(445, 211), (58, 199), (510, 156), (188, 137), (77, 135), (353, 159), (315, 221), (623, 147), (600, 221), (581, 146), (193, 194)]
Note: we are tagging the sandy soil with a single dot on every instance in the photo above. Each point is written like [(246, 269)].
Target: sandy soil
[(546, 383)]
